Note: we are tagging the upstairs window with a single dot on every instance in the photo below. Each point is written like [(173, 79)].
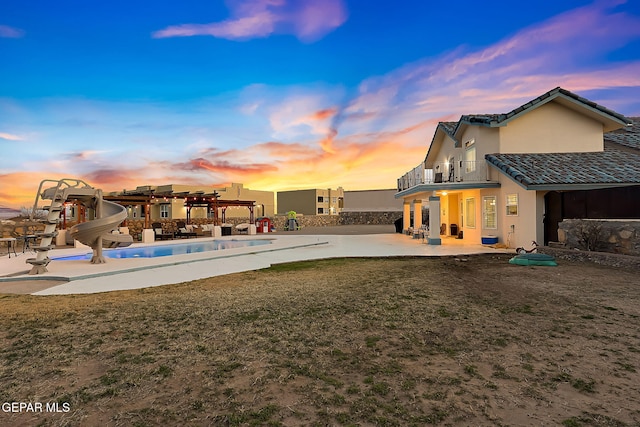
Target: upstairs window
[(470, 156)]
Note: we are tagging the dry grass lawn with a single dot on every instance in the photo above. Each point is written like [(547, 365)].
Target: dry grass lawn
[(353, 342)]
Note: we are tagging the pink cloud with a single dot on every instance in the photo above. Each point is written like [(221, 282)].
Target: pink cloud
[(10, 137), (567, 50), (307, 20), (10, 32)]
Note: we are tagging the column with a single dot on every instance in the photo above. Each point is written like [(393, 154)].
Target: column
[(434, 221), (406, 215), (417, 214)]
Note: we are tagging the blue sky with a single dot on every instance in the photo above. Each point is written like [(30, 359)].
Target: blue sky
[(282, 94)]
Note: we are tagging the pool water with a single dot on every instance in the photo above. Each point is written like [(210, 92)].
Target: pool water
[(168, 250)]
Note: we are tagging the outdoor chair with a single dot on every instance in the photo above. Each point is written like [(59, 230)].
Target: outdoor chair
[(159, 232), (185, 230)]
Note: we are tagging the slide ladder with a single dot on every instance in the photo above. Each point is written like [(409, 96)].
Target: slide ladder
[(95, 233)]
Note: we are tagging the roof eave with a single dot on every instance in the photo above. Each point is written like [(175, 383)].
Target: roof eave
[(446, 186)]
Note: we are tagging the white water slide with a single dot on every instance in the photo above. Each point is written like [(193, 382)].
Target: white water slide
[(96, 233)]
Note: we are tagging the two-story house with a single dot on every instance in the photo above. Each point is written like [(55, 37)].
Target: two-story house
[(496, 175)]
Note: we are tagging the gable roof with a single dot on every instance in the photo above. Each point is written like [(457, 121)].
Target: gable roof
[(628, 136), (564, 171), (611, 120), (563, 96)]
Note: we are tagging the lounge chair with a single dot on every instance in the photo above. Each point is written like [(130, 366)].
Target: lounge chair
[(185, 230), (205, 230), (160, 233), (243, 228)]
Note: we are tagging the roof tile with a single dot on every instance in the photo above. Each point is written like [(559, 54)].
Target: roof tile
[(628, 136), (606, 167)]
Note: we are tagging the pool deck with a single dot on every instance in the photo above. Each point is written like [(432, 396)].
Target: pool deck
[(80, 276)]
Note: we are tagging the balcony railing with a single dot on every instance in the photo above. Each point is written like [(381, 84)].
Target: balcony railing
[(449, 172)]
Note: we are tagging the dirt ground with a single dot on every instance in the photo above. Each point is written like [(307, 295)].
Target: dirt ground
[(354, 342)]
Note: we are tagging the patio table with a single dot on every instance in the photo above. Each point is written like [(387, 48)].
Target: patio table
[(11, 244)]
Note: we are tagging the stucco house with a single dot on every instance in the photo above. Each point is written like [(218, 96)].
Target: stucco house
[(502, 176)]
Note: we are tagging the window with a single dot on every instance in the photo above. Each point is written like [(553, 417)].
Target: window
[(470, 156), (164, 211), (334, 200), (512, 204), (320, 199), (320, 211), (470, 212), (489, 214)]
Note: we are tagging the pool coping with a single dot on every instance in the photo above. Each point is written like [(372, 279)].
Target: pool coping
[(159, 262)]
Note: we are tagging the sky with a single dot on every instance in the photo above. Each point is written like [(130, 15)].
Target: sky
[(282, 94)]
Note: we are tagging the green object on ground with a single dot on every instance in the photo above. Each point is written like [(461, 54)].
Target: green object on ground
[(534, 259)]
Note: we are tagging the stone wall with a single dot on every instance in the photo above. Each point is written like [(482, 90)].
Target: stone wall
[(612, 236), (307, 221), (370, 218), (626, 262)]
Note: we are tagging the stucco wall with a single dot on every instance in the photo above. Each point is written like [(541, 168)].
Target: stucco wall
[(551, 128), (486, 142)]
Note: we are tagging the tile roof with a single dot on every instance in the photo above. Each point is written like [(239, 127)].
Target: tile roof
[(496, 119), (565, 170), (629, 136), (448, 127)]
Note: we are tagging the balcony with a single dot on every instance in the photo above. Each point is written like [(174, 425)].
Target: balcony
[(463, 174)]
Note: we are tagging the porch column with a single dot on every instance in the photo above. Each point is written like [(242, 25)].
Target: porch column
[(417, 214), (434, 221), (406, 215)]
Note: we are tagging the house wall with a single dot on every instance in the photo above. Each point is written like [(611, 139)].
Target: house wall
[(332, 201), (551, 128), (488, 138), (487, 141), (519, 230), (526, 228), (265, 201)]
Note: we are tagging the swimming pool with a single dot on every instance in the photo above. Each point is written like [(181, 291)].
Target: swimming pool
[(168, 250)]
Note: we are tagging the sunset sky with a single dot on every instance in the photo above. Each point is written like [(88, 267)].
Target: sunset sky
[(282, 94)]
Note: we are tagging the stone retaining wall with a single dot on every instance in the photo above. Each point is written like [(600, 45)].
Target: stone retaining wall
[(308, 221), (369, 218), (613, 260), (611, 236)]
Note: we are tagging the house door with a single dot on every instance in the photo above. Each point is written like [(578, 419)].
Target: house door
[(553, 216)]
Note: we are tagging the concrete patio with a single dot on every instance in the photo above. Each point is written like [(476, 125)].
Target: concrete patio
[(79, 276)]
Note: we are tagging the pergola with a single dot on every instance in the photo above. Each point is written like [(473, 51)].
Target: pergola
[(211, 202), (134, 200), (147, 197)]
